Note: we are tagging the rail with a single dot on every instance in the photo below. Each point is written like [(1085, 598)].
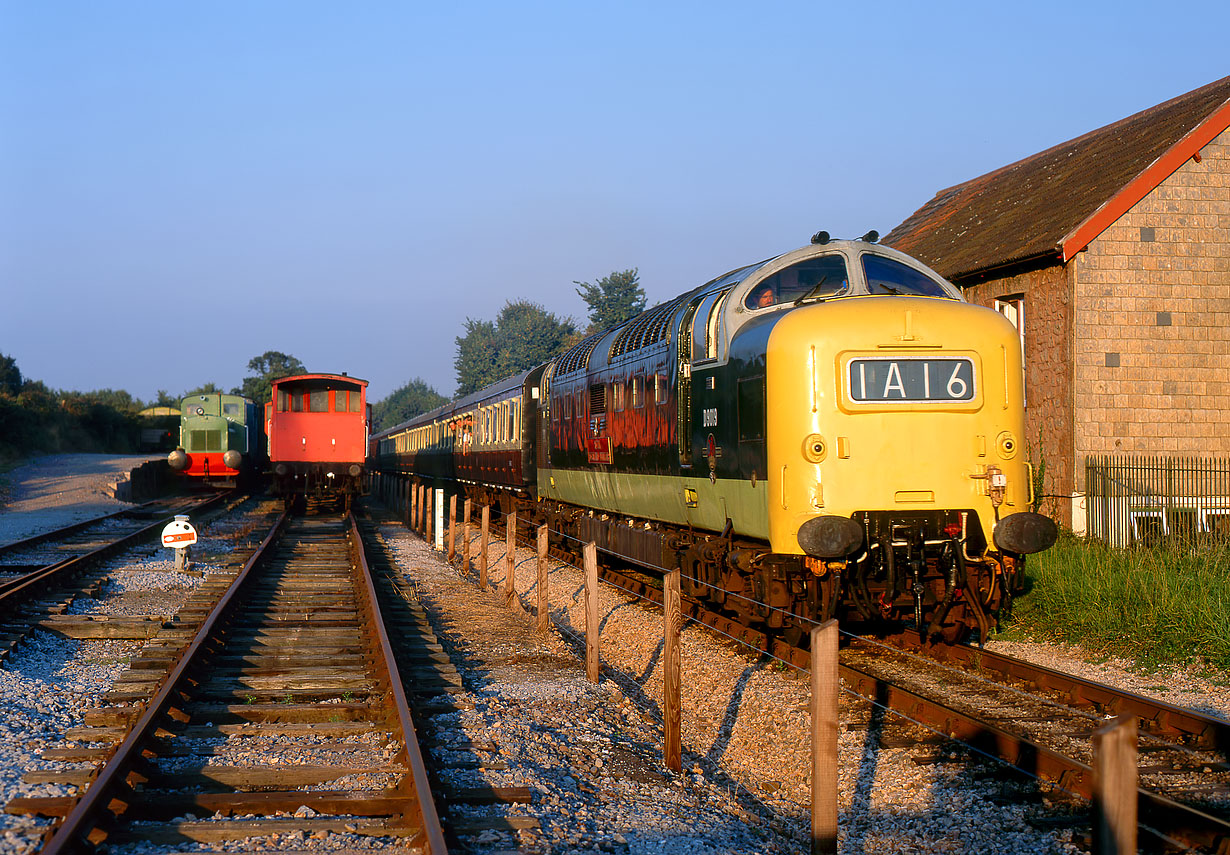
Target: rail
[(1164, 818)]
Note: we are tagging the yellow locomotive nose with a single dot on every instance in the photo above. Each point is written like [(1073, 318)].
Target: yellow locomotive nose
[(901, 406)]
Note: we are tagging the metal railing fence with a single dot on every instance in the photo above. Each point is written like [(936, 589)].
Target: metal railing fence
[(1146, 500)]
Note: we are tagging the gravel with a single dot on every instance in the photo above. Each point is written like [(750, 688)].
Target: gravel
[(589, 754), (60, 489)]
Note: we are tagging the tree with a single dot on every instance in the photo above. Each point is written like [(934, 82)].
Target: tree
[(116, 399), (269, 366), (477, 357), (522, 336), (163, 399), (207, 389), (10, 376), (612, 299), (405, 403)]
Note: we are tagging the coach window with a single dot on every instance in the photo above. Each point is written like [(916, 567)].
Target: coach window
[(659, 388), (638, 392), (617, 395)]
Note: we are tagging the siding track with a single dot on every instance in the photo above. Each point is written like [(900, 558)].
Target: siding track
[(294, 650)]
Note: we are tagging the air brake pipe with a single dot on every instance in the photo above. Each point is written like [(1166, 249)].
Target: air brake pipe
[(956, 571)]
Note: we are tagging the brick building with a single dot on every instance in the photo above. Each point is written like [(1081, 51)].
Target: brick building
[(1111, 253)]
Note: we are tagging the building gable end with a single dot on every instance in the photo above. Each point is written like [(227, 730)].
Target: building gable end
[(1144, 183)]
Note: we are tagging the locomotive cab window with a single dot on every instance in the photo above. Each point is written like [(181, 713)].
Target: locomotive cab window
[(232, 410), (886, 276), (319, 401), (814, 278)]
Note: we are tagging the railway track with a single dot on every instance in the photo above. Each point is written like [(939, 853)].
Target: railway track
[(274, 694), (1037, 720), (41, 575)]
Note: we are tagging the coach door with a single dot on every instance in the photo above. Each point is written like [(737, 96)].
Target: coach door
[(683, 398), (542, 412)]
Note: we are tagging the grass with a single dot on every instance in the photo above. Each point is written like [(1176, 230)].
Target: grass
[(1161, 607)]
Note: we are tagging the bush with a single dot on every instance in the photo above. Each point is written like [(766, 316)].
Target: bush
[(1165, 606)]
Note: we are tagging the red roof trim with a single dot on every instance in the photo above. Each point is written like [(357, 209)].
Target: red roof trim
[(1140, 186)]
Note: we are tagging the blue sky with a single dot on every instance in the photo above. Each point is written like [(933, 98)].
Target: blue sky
[(184, 186)]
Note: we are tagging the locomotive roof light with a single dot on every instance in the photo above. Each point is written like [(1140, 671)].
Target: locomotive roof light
[(871, 237), (820, 238)]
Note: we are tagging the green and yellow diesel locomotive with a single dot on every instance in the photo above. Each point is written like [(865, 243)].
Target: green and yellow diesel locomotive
[(831, 432)]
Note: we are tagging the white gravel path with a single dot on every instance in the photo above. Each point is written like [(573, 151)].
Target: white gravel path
[(60, 489)]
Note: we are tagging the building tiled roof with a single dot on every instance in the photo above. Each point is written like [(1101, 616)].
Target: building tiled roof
[(1046, 204)]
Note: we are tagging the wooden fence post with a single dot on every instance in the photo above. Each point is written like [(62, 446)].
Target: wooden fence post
[(825, 686), (452, 527), (482, 560), (672, 753), (1114, 787), (544, 602), (416, 502), (592, 668), (465, 538), (406, 488), (510, 558)]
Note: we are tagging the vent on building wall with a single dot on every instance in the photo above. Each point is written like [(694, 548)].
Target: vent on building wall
[(1112, 360)]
